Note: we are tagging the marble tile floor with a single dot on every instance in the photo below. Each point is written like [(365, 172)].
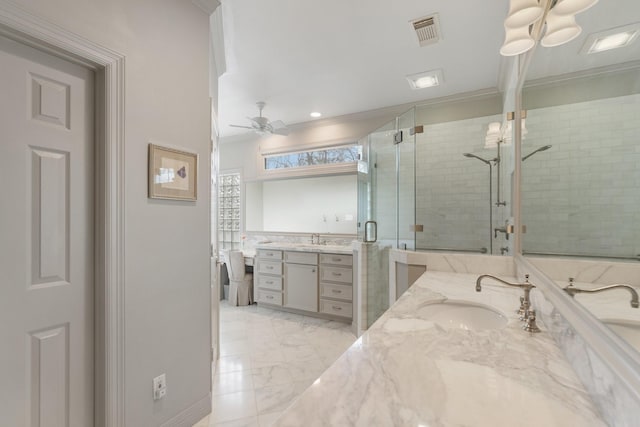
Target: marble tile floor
[(267, 359)]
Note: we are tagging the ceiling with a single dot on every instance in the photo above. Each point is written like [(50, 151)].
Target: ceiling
[(568, 58), (341, 57)]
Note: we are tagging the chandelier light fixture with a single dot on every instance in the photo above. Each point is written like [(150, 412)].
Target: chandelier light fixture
[(552, 22)]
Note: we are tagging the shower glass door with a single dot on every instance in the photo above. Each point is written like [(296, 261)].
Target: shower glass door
[(386, 207), (406, 182)]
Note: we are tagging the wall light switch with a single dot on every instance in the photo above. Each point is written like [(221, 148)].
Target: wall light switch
[(159, 387)]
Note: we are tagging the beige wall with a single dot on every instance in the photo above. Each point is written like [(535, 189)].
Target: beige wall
[(167, 243)]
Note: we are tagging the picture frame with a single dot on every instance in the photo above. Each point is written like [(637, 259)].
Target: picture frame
[(173, 174)]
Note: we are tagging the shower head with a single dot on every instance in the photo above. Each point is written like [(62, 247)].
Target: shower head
[(473, 156), (543, 148)]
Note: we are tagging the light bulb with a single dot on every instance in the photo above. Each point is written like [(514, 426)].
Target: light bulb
[(572, 7), (561, 29), (517, 41), (523, 13)]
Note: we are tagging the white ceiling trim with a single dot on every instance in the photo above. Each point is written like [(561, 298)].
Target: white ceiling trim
[(207, 6)]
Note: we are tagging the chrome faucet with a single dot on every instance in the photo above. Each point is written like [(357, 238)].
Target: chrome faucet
[(572, 291), (527, 314), (313, 236)]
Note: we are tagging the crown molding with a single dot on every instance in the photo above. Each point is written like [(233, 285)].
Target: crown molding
[(593, 72), (207, 6)]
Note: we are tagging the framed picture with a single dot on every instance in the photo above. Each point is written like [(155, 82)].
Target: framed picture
[(173, 174)]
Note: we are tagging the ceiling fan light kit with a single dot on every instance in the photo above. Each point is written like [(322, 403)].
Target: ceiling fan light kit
[(556, 19), (262, 126)]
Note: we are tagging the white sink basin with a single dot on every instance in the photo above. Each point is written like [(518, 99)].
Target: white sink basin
[(629, 330), (462, 315)]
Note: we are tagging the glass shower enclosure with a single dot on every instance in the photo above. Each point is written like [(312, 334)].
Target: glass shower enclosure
[(435, 187), (386, 207)]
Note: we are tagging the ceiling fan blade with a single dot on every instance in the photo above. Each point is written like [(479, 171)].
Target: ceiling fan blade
[(238, 126), (279, 128)]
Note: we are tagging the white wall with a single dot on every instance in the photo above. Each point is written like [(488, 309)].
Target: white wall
[(167, 243), (316, 205), (253, 206), (240, 152)]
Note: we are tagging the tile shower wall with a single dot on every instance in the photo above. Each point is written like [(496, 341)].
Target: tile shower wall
[(581, 196), (452, 191)]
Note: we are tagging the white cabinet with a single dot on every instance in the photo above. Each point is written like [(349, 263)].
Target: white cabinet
[(301, 287), (312, 283), (336, 285), (267, 277), (335, 291)]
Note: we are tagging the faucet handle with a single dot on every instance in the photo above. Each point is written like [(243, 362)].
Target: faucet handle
[(530, 324), (522, 310), (526, 277)]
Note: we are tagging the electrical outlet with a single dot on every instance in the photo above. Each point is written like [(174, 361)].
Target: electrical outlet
[(159, 387)]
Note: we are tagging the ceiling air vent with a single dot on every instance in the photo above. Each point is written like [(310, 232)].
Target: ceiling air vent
[(427, 29)]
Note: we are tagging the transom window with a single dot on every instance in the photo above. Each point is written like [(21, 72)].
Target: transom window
[(323, 156)]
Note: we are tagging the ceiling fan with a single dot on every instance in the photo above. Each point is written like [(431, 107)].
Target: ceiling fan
[(263, 126)]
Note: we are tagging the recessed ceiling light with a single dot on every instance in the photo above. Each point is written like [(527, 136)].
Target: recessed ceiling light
[(315, 114), (611, 39), (425, 79)]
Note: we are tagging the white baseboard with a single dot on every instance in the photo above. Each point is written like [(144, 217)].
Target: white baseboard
[(192, 414)]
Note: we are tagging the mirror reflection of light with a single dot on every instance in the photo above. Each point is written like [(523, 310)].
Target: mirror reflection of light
[(316, 382), (165, 175)]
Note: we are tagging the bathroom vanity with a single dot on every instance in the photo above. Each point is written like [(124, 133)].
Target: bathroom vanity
[(415, 368), (315, 280)]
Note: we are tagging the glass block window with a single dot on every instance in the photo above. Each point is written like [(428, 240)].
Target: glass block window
[(301, 159), (229, 211)]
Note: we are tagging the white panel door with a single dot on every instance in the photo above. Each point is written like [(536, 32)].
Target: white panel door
[(46, 236)]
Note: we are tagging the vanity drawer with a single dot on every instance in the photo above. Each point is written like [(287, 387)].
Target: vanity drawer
[(269, 267), (330, 290), (269, 297), (336, 259), (268, 254), (336, 274), (336, 308), (270, 282), (301, 258)]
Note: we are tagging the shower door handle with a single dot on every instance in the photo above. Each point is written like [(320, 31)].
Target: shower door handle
[(366, 234)]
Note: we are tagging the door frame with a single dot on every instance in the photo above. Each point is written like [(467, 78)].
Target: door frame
[(109, 348)]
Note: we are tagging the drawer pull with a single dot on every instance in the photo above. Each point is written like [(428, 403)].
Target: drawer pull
[(336, 291), (269, 296), (336, 308), (269, 282), (336, 274), (336, 259), (269, 254), (313, 271), (269, 267)]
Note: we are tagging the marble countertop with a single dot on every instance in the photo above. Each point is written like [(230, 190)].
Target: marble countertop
[(307, 247), (405, 371)]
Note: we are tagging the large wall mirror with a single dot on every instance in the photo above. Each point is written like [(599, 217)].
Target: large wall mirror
[(581, 162), (326, 204)]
